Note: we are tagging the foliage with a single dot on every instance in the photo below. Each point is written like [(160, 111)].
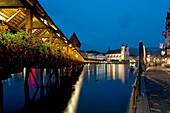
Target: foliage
[(21, 49)]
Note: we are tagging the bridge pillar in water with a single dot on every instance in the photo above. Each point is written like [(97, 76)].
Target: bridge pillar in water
[(42, 77), (26, 84), (41, 93), (27, 96), (61, 71), (70, 70), (57, 77)]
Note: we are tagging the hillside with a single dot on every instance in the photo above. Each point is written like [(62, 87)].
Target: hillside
[(135, 51), (150, 50)]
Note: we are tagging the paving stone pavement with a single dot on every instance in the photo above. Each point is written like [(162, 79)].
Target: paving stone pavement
[(157, 84)]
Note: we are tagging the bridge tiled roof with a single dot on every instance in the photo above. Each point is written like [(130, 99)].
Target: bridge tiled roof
[(74, 40)]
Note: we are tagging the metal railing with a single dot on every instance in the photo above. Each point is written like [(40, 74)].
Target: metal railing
[(135, 88), (134, 95)]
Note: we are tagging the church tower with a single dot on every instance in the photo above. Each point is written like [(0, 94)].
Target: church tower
[(123, 51), (127, 52)]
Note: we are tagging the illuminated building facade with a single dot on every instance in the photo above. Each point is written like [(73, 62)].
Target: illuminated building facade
[(167, 37), (119, 54)]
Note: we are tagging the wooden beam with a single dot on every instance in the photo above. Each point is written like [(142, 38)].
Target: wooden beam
[(43, 32), (22, 24), (29, 16), (51, 36), (10, 7), (50, 76), (34, 78), (11, 17)]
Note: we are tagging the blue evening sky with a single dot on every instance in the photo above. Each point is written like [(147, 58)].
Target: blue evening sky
[(100, 24)]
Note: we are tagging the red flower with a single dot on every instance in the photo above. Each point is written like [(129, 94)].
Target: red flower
[(11, 45), (0, 49), (4, 28)]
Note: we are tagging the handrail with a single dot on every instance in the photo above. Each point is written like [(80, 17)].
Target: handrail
[(134, 95), (135, 87)]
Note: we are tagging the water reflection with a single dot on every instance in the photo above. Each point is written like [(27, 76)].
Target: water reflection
[(105, 88), (72, 104), (98, 82), (108, 71), (1, 98)]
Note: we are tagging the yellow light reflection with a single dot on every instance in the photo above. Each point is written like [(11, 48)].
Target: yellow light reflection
[(122, 75), (72, 104), (108, 72), (113, 72), (24, 72)]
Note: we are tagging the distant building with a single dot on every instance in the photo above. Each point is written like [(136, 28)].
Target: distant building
[(121, 54), (167, 37), (101, 56), (89, 54), (75, 41), (118, 54)]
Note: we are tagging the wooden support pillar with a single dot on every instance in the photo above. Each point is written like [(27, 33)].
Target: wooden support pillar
[(76, 68), (26, 84), (60, 46), (50, 76), (56, 74), (28, 71), (27, 96), (34, 78), (29, 16), (66, 70), (41, 93), (51, 36), (70, 70), (57, 77), (61, 72), (1, 97), (35, 93), (67, 51), (42, 77)]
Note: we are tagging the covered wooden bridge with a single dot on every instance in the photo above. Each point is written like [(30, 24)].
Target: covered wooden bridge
[(29, 16)]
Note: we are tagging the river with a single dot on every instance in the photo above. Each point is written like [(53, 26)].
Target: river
[(100, 88)]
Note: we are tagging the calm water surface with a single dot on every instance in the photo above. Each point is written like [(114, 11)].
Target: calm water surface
[(100, 88)]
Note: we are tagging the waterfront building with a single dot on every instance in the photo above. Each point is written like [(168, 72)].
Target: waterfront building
[(101, 56), (89, 54), (167, 38), (121, 54)]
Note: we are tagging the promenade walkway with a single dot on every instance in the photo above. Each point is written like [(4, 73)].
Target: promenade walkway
[(154, 91)]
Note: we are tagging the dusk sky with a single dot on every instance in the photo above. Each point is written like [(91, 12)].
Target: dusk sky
[(100, 24)]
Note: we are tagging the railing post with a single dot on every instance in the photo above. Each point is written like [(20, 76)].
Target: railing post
[(134, 96), (137, 82)]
